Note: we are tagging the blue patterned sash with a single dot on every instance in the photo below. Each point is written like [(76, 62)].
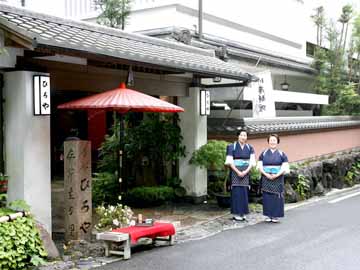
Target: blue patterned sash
[(272, 169), (241, 162)]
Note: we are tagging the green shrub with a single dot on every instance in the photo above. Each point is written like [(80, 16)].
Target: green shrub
[(3, 198), (302, 186), (175, 183), (210, 156), (255, 207), (20, 243), (149, 196), (105, 188), (349, 178), (215, 187), (255, 176), (294, 166)]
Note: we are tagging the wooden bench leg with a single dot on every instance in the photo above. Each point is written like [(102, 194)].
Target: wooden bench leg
[(127, 250), (107, 248), (171, 240)]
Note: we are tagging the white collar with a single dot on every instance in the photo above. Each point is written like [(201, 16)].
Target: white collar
[(241, 146)]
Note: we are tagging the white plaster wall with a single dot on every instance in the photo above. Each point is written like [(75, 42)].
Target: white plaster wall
[(194, 131), (153, 18), (278, 23), (298, 97), (27, 147)]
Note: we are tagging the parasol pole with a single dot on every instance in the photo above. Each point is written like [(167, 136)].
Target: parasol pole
[(121, 151), (117, 152)]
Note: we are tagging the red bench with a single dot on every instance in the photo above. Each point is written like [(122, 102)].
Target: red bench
[(158, 232), (159, 229)]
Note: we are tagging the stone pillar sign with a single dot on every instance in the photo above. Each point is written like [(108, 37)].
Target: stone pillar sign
[(77, 190)]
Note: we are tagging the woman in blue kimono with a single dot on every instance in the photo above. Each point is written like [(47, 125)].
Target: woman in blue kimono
[(273, 164), (240, 157)]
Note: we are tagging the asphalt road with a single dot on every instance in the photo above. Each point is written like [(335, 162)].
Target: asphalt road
[(323, 235)]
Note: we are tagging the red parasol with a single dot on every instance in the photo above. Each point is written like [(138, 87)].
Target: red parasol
[(121, 100)]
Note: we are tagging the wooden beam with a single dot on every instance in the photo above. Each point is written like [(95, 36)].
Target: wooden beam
[(12, 37), (35, 53), (225, 85)]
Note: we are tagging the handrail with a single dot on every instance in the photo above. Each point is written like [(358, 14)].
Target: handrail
[(13, 216)]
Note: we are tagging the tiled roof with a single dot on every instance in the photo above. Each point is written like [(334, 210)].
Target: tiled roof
[(236, 48), (50, 31), (221, 126)]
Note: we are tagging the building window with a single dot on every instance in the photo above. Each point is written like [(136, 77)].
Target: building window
[(310, 49)]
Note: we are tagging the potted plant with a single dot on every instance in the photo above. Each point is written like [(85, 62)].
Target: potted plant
[(211, 156)]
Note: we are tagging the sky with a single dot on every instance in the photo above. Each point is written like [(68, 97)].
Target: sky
[(57, 7)]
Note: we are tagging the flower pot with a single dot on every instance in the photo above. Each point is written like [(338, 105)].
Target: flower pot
[(223, 200)]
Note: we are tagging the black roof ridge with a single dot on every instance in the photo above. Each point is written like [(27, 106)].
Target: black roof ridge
[(234, 47)]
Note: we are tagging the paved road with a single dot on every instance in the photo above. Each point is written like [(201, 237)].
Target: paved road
[(322, 235)]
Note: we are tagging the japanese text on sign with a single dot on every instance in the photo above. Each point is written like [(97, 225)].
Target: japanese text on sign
[(42, 105)]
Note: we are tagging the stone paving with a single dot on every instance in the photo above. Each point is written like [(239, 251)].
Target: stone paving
[(206, 220), (194, 222)]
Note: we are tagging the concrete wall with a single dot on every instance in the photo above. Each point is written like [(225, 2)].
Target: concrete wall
[(27, 147)]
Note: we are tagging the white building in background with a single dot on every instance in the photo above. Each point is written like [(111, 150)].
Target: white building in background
[(259, 35)]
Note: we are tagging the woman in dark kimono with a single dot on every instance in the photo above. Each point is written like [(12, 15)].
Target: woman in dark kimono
[(240, 157), (273, 164)]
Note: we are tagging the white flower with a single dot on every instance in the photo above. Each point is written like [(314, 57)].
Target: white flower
[(116, 222)]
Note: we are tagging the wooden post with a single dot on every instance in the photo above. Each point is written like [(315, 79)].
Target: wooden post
[(77, 190)]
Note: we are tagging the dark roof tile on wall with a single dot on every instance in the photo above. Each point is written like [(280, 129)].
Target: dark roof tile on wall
[(221, 126)]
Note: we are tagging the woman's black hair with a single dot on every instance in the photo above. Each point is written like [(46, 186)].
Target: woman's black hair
[(241, 130), (274, 135)]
